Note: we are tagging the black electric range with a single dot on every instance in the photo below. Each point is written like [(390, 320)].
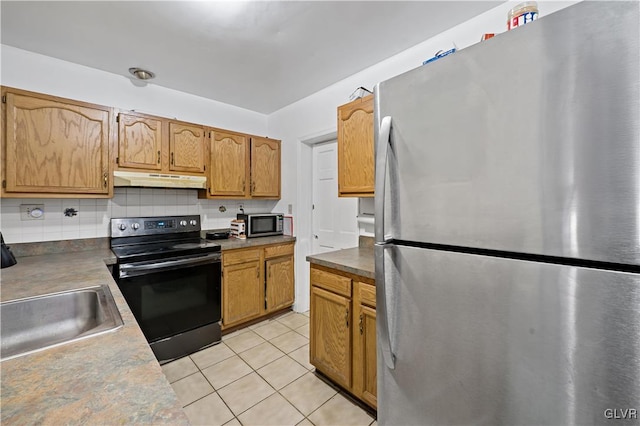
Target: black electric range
[(171, 279)]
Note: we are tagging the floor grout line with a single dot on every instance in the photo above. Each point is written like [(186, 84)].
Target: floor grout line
[(236, 353)]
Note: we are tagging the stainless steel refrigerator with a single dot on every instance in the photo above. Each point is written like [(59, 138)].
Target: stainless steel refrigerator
[(508, 228)]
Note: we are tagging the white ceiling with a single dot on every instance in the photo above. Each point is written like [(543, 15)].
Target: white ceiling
[(259, 55)]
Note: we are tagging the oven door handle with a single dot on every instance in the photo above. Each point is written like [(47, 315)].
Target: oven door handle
[(142, 268)]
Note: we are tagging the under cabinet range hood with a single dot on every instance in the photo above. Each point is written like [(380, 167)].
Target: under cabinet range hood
[(158, 180)]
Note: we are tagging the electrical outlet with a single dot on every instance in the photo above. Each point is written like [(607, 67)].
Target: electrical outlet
[(240, 207), (31, 211)]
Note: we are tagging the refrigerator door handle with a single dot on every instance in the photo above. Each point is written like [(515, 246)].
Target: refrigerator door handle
[(384, 341), (382, 155)]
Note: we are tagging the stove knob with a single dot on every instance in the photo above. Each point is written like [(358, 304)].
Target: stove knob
[(193, 222), (122, 226), (183, 223), (135, 226)]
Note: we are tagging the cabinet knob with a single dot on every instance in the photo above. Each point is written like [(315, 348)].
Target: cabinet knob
[(106, 179), (172, 158), (158, 157)]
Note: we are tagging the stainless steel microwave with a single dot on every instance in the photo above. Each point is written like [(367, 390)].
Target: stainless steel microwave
[(262, 224)]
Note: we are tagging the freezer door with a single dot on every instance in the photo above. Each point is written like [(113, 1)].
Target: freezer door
[(527, 142), (487, 340)]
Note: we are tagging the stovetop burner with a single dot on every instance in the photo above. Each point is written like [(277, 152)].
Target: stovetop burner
[(136, 239)]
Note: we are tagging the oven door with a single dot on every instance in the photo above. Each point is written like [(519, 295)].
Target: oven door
[(169, 297)]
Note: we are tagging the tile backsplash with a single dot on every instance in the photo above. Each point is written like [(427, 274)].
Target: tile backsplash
[(92, 219)]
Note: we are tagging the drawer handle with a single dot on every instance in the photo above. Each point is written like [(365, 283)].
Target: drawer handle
[(360, 325)]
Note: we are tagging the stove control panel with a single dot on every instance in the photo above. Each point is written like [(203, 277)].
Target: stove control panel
[(160, 224), (139, 226)]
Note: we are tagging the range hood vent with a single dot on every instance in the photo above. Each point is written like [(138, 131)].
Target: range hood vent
[(157, 180)]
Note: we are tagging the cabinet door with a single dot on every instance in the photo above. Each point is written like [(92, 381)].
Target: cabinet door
[(139, 142), (279, 291), (229, 174), (330, 342), (364, 357), (186, 146), (355, 148), (265, 168), (56, 147), (241, 295)]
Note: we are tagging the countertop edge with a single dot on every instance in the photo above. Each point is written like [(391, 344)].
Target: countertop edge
[(357, 261)]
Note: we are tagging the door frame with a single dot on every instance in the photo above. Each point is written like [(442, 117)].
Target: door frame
[(304, 230), (341, 201)]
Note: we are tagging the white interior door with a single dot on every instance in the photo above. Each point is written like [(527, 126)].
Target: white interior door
[(334, 220)]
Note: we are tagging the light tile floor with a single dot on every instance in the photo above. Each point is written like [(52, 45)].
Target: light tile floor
[(261, 375)]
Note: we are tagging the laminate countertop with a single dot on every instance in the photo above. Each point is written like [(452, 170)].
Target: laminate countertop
[(112, 378), (357, 261), (236, 243)]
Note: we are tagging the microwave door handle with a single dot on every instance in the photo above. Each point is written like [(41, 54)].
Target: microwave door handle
[(132, 269)]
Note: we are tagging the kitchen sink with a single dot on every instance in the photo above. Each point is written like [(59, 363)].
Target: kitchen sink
[(36, 323)]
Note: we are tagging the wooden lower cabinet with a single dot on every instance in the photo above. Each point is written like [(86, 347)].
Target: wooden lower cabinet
[(241, 291), (365, 376), (256, 282), (330, 348), (279, 291), (343, 330)]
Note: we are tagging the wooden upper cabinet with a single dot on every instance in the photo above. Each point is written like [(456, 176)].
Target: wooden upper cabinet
[(265, 168), (139, 142), (229, 165), (187, 148), (55, 146), (356, 148)]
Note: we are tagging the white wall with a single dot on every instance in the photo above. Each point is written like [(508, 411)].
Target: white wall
[(314, 116), (30, 71)]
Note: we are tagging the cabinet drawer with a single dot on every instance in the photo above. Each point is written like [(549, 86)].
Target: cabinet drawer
[(276, 251), (367, 294), (332, 282), (240, 256)]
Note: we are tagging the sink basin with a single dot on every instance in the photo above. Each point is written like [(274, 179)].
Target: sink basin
[(37, 323)]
